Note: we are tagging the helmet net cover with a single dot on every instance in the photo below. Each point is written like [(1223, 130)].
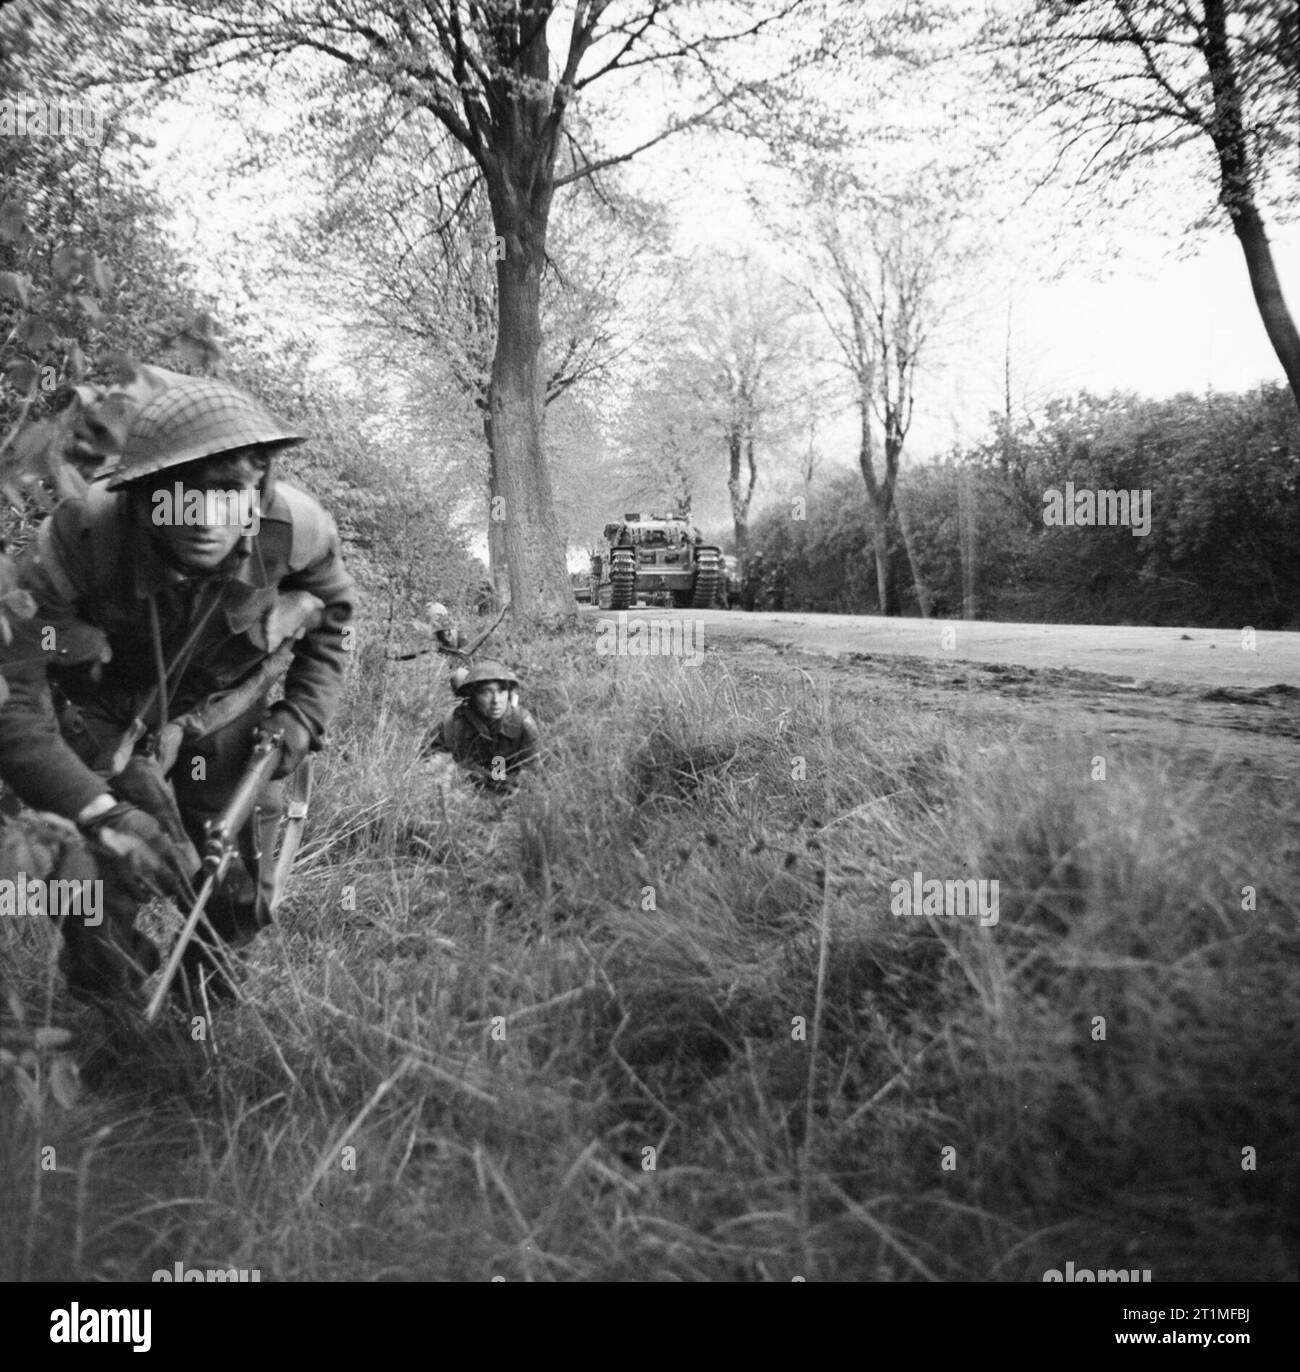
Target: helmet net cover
[(193, 419)]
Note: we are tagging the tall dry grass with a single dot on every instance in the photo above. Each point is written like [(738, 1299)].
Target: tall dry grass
[(653, 1018)]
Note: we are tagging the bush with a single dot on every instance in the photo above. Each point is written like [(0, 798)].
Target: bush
[(1223, 547)]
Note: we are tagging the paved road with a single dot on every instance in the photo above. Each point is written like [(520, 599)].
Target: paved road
[(1191, 657)]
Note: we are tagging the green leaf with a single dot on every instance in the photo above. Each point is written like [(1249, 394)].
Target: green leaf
[(14, 286), (103, 425), (66, 480), (90, 308), (120, 367), (13, 221), (19, 603), (35, 439), (102, 275), (37, 333), (65, 265), (22, 373), (191, 349)]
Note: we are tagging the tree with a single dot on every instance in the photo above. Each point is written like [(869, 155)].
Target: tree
[(389, 254), (1129, 81), (669, 436), (88, 277), (878, 293), (738, 350), (483, 73)]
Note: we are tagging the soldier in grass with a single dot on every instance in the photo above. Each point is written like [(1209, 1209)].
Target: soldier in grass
[(775, 585), (752, 586), (487, 732), (162, 595)]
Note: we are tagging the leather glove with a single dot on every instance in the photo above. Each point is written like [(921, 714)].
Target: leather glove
[(296, 743), (142, 852)]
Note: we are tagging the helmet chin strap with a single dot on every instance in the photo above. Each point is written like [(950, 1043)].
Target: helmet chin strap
[(266, 487), (265, 496)]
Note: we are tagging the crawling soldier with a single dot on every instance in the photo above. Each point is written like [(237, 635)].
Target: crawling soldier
[(487, 733)]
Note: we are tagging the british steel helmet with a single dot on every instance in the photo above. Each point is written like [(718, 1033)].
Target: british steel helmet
[(487, 670), (193, 418)]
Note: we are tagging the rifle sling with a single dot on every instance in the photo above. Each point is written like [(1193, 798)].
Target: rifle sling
[(222, 708)]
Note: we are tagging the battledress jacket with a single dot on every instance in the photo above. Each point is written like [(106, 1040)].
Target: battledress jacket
[(91, 570), (477, 742)]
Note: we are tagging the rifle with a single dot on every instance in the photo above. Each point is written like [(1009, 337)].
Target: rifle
[(142, 779), (449, 649), (221, 836), (293, 614)]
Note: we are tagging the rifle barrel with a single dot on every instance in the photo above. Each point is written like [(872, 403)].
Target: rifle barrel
[(178, 948), (218, 852)]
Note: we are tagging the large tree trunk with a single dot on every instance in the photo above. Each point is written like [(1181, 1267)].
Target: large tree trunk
[(1236, 194), (498, 563), (523, 504)]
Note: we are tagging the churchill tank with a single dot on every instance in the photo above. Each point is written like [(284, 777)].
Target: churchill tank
[(659, 560)]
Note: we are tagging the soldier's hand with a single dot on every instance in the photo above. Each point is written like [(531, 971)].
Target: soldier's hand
[(295, 743), (142, 852)]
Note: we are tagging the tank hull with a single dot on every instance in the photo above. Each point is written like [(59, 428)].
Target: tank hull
[(657, 561)]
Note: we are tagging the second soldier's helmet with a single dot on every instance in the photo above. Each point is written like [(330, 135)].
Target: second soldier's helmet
[(194, 418), (487, 670)]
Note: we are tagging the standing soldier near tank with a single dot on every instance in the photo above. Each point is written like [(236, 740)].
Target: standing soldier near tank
[(749, 598), (776, 584), (140, 686)]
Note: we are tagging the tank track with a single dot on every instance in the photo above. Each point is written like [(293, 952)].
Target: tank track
[(622, 583), (708, 578)]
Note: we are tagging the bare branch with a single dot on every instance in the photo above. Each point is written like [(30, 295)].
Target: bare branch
[(617, 159)]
